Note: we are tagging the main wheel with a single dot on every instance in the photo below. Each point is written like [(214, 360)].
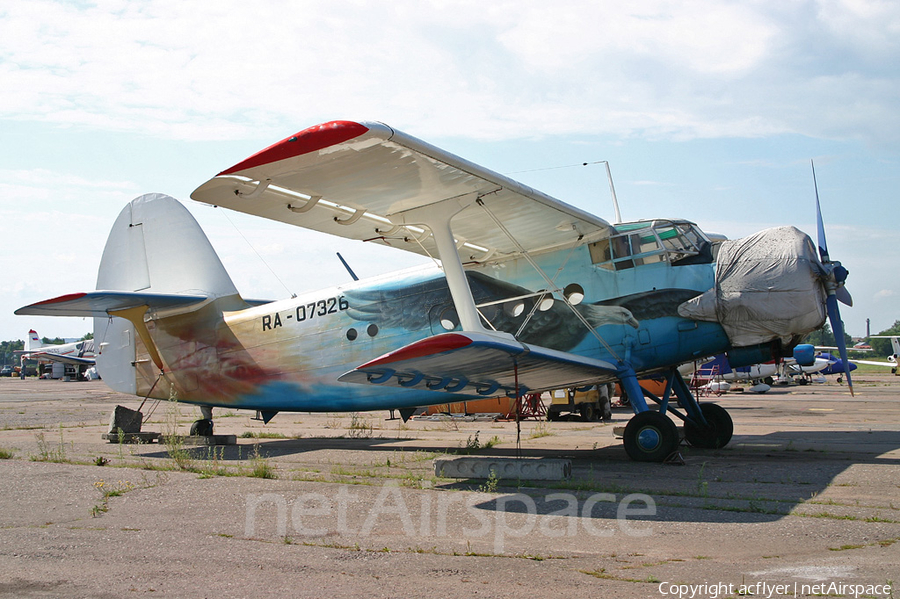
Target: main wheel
[(202, 428), (718, 431), (650, 437)]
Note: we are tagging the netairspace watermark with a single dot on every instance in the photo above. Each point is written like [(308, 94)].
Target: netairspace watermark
[(457, 515), (769, 591)]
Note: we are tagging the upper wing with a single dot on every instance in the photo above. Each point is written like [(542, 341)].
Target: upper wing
[(356, 180)]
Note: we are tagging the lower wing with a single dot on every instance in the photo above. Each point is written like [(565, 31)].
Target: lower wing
[(479, 365)]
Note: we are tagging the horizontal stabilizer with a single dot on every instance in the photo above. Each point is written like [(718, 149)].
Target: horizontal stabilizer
[(478, 365), (101, 303)]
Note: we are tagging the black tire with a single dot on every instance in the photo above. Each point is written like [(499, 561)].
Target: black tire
[(718, 432), (650, 437), (553, 415), (802, 381), (588, 412), (202, 428), (769, 381)]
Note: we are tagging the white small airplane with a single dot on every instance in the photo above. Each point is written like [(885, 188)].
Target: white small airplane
[(78, 353), (532, 294), (893, 359), (719, 372)]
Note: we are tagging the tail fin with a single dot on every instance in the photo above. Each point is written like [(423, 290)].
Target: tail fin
[(155, 246), (33, 341)]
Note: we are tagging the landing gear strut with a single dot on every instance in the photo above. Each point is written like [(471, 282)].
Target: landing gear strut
[(651, 436)]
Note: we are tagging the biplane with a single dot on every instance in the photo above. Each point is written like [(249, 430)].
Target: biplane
[(526, 293)]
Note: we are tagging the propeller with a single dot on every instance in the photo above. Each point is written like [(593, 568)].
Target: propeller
[(834, 285)]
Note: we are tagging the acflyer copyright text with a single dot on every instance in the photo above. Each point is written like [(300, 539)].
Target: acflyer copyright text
[(769, 590)]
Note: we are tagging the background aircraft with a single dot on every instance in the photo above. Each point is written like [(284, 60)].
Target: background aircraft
[(893, 359), (78, 354), (527, 293)]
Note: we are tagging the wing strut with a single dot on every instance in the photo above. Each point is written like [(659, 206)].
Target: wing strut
[(552, 285), (437, 218)]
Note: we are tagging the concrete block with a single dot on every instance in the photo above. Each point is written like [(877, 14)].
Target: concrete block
[(503, 468), (200, 440), (129, 421), (130, 437)]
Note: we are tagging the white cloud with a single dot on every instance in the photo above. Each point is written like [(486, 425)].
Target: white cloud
[(672, 69)]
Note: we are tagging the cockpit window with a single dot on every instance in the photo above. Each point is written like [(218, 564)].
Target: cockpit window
[(649, 242)]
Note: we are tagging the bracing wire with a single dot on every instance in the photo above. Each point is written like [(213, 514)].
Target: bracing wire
[(258, 255)]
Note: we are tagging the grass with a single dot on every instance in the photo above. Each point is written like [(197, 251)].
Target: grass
[(360, 427), (473, 444), (47, 452), (260, 467), (6, 454), (262, 435), (541, 429), (116, 489)]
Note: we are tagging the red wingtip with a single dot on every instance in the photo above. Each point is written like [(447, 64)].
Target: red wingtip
[(59, 300), (306, 141), (425, 347)]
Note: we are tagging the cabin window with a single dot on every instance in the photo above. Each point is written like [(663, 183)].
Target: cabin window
[(648, 242)]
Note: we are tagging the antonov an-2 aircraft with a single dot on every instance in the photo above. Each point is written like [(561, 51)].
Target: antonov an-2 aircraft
[(532, 294)]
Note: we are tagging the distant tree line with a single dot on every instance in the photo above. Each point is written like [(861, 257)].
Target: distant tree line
[(882, 347)]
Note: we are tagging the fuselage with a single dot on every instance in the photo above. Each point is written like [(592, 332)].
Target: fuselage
[(287, 355)]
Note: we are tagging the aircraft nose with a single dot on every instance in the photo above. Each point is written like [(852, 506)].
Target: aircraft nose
[(768, 287)]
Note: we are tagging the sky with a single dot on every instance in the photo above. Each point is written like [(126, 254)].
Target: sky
[(705, 110)]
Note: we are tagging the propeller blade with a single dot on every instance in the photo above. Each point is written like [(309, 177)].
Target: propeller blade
[(843, 296), (823, 245), (837, 327)]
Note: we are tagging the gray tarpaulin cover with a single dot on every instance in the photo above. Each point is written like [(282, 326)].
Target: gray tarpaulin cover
[(768, 286)]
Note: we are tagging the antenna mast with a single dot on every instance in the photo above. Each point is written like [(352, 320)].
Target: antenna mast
[(612, 188)]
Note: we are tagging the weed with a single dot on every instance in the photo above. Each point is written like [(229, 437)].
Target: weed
[(183, 458), (702, 485), (845, 547), (212, 466), (109, 490), (262, 435), (100, 461), (541, 429), (6, 454), (260, 466), (491, 484), (47, 453), (360, 427), (473, 444)]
